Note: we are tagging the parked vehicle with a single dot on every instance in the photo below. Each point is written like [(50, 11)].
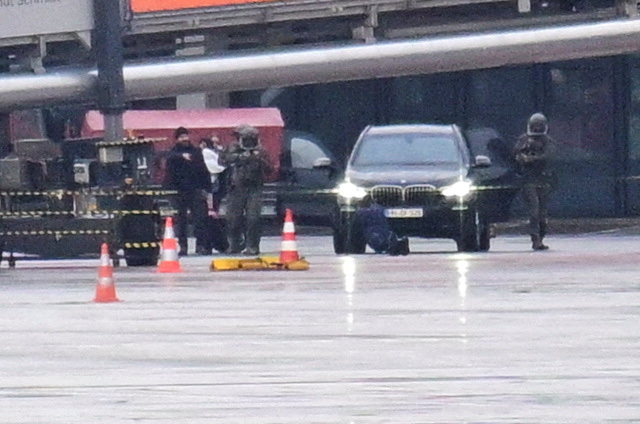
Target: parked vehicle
[(310, 172), (429, 182)]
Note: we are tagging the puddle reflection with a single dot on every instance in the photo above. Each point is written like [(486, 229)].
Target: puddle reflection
[(349, 272), (462, 266)]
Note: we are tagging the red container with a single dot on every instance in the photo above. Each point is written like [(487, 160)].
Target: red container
[(203, 123)]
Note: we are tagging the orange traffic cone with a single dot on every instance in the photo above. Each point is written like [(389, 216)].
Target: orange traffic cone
[(169, 259), (106, 289), (289, 251)]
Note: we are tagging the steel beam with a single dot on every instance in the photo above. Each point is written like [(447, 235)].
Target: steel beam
[(162, 78)]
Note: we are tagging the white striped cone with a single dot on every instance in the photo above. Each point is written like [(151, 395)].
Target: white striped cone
[(169, 258), (106, 288), (168, 229), (289, 250)]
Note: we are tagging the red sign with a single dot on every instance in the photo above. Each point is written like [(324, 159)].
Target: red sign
[(141, 6)]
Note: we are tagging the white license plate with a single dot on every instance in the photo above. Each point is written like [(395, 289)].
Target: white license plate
[(403, 213)]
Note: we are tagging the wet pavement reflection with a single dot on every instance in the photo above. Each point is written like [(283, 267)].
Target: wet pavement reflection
[(508, 336)]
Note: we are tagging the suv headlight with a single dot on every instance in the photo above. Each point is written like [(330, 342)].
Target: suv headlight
[(350, 191), (458, 189)]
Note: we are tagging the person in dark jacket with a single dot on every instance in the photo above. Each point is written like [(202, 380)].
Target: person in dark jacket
[(372, 223), (249, 166), (188, 175), (532, 154)]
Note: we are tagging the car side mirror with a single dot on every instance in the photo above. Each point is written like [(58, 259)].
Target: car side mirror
[(322, 163), (482, 161)]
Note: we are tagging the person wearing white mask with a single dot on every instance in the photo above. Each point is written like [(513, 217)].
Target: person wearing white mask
[(210, 153), (216, 237)]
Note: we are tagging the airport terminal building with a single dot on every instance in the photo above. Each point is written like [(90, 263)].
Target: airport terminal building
[(592, 101), (592, 106)]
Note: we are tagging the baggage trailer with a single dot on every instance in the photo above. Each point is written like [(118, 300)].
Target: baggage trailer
[(44, 215)]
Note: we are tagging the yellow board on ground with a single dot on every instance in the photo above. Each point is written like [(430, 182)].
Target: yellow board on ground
[(262, 263)]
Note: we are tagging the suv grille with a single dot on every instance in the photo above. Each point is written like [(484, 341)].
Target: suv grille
[(414, 195), (387, 195), (420, 195)]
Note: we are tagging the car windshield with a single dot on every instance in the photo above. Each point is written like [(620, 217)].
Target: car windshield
[(406, 149)]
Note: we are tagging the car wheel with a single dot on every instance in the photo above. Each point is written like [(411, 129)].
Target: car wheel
[(347, 238), (474, 235), (356, 243), (485, 239), (339, 243), (466, 244)]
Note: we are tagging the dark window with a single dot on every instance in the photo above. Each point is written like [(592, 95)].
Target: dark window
[(632, 184), (501, 99), (425, 99), (634, 116), (581, 112), (581, 121)]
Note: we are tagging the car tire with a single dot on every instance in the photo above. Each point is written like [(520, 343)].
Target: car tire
[(338, 241), (485, 239), (466, 244), (347, 238), (356, 244), (475, 236)]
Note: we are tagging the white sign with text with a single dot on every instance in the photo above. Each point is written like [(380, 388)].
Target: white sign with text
[(19, 18)]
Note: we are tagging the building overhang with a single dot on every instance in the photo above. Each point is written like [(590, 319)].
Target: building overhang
[(281, 68)]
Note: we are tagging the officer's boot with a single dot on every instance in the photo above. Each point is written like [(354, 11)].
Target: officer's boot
[(234, 246), (542, 245), (536, 243), (236, 242)]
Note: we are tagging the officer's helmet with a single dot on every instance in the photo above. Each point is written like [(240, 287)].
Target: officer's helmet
[(537, 125), (248, 136)]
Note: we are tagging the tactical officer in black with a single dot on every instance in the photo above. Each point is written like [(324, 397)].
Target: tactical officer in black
[(188, 174), (249, 165), (532, 154)]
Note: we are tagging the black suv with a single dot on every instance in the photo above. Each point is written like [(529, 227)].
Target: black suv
[(429, 182)]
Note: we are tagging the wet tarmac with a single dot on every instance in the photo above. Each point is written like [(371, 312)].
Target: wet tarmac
[(509, 336)]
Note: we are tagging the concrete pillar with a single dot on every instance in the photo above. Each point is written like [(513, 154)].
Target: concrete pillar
[(192, 46), (196, 46), (218, 99), (110, 59), (113, 126), (366, 32)]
